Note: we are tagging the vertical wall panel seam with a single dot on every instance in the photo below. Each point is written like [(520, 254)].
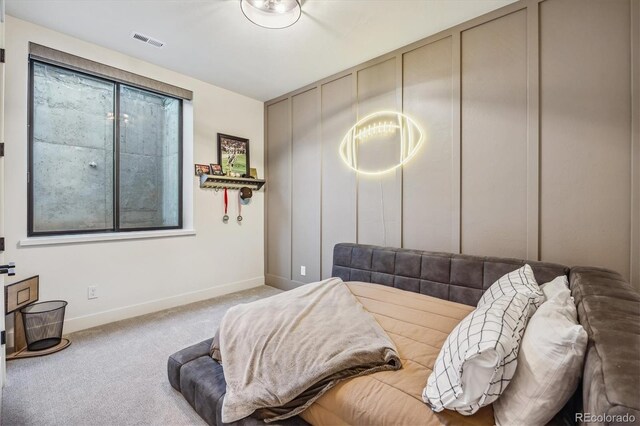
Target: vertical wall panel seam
[(400, 105), (456, 142), (320, 170), (291, 188), (266, 193), (354, 110), (533, 132), (634, 264)]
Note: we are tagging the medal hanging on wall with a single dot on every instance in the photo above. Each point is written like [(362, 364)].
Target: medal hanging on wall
[(244, 197), (225, 218), (239, 218)]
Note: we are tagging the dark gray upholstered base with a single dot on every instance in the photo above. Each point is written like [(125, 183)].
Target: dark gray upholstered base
[(608, 308), (200, 379), (456, 277)]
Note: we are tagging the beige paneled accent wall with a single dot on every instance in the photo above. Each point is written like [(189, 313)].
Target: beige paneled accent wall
[(278, 229), (339, 184), (494, 137), (531, 121), (305, 195), (428, 98), (585, 133), (380, 196)]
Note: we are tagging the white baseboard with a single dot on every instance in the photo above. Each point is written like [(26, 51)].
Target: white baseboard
[(105, 317)]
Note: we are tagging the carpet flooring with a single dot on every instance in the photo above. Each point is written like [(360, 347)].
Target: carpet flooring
[(116, 374)]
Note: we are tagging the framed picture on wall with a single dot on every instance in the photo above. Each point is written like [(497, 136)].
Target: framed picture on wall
[(233, 155), (216, 169), (202, 169)]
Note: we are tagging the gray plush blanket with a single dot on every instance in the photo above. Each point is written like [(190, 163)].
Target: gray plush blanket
[(282, 353)]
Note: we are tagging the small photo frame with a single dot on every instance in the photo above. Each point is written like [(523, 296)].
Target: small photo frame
[(202, 169), (233, 155), (216, 169)]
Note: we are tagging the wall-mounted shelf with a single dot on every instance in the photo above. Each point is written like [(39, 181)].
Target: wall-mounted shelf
[(213, 181)]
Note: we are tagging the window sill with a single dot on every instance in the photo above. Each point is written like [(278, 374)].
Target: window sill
[(112, 236)]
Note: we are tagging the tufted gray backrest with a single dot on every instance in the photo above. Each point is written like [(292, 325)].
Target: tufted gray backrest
[(456, 277)]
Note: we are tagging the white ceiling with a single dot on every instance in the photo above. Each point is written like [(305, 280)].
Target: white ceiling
[(212, 40)]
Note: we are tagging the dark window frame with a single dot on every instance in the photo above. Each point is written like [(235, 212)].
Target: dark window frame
[(116, 158)]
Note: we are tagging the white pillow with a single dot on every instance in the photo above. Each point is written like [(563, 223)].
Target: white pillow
[(519, 281), (559, 286), (549, 364), (479, 357)]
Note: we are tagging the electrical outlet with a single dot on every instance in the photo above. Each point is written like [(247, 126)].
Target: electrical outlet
[(11, 338), (303, 270), (92, 292)]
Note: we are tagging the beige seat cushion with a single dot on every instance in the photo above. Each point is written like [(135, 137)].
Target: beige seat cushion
[(418, 325)]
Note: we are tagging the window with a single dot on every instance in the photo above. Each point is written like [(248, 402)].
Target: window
[(104, 156)]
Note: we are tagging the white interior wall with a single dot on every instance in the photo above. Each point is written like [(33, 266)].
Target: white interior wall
[(139, 275)]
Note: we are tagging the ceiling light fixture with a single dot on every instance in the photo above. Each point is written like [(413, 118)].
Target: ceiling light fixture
[(273, 14)]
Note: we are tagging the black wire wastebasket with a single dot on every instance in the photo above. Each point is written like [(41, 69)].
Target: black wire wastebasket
[(43, 323)]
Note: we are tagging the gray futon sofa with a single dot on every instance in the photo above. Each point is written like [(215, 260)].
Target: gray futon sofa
[(608, 308)]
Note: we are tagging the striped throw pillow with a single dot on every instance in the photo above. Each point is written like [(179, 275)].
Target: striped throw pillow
[(519, 281), (479, 357)]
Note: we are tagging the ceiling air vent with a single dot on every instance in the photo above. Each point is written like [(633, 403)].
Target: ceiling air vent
[(156, 43), (146, 39)]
